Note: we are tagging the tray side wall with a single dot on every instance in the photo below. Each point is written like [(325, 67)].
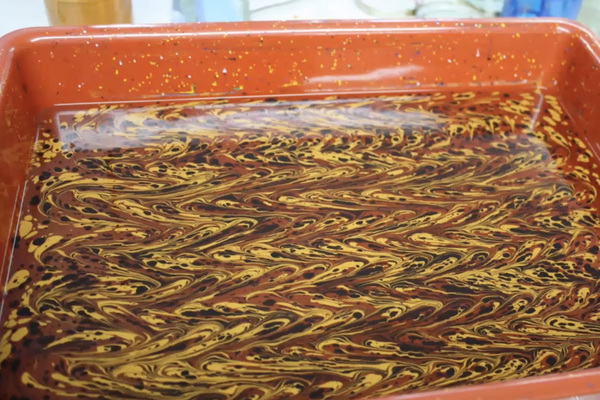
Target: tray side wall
[(178, 62), (17, 133), (580, 85)]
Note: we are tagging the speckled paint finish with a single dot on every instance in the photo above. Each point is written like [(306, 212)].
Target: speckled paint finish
[(548, 71)]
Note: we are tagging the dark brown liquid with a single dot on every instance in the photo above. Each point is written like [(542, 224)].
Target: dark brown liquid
[(339, 249)]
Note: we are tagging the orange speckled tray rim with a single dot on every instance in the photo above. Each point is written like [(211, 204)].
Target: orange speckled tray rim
[(22, 98)]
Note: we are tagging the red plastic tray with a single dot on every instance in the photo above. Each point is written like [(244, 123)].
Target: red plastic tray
[(541, 77)]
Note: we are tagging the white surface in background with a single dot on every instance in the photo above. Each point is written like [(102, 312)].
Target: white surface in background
[(306, 9), (151, 11), (21, 14), (490, 7), (16, 14), (449, 9), (589, 15), (364, 9)]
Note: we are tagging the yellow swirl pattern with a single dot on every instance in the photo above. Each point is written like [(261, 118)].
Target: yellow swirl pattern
[(336, 249)]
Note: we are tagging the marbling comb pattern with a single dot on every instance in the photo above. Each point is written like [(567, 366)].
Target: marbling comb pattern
[(340, 249)]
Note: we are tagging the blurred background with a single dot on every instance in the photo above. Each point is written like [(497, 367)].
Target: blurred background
[(26, 13)]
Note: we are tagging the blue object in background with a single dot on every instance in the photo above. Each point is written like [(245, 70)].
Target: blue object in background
[(541, 8)]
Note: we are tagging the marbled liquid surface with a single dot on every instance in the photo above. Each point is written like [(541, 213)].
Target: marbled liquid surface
[(339, 249)]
